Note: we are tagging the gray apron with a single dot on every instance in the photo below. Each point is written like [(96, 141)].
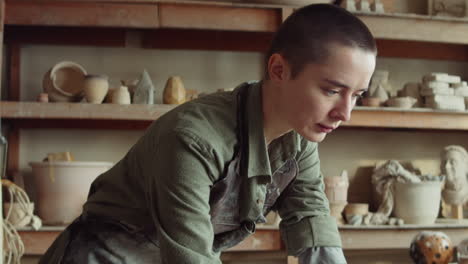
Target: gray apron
[(95, 239)]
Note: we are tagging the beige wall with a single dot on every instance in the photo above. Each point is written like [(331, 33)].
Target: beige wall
[(207, 71)]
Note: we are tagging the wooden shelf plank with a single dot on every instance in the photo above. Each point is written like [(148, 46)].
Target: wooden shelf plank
[(362, 238), (449, 35), (361, 117), (77, 13), (37, 242), (219, 17), (417, 27), (35, 110), (419, 118), (353, 238)]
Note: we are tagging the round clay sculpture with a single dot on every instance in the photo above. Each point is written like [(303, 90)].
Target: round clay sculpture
[(429, 247)]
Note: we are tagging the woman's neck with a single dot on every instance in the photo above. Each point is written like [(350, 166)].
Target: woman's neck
[(274, 122)]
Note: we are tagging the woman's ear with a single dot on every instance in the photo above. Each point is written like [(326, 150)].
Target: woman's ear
[(278, 68)]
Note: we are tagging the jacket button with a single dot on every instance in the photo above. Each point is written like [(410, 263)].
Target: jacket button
[(259, 201)]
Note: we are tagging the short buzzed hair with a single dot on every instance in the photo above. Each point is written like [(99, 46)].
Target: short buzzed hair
[(307, 35)]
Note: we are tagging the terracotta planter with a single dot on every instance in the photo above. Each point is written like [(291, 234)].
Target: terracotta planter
[(417, 203), (62, 188)]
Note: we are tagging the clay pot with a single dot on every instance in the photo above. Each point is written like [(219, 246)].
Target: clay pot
[(357, 209), (401, 102), (371, 101), (174, 91), (64, 82), (120, 95), (43, 98), (336, 210), (19, 216), (62, 188), (417, 203), (336, 188), (95, 88)]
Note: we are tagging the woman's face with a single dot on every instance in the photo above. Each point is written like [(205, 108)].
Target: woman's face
[(323, 95)]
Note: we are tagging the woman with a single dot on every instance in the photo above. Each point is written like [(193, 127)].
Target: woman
[(205, 173)]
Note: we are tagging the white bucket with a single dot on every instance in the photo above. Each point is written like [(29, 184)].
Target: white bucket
[(417, 203), (62, 188)]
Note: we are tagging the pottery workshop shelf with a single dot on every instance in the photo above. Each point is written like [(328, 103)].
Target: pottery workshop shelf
[(395, 237), (37, 242), (78, 115), (416, 118), (32, 114), (268, 240), (216, 15)]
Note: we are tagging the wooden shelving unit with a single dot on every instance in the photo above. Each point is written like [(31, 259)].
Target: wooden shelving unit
[(213, 26), (268, 239), (370, 117)]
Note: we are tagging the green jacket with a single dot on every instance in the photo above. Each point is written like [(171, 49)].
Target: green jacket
[(164, 181)]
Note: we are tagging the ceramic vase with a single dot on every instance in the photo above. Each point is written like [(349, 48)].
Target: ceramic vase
[(95, 88), (336, 190), (417, 203), (174, 91), (121, 95)]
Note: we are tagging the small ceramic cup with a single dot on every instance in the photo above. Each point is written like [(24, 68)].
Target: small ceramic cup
[(95, 88)]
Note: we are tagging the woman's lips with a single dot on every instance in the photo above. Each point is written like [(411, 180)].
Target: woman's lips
[(325, 129)]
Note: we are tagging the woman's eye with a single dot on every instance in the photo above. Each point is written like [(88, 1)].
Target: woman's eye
[(331, 91), (359, 95)]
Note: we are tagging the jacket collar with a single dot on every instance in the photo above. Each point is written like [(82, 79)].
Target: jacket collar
[(261, 159)]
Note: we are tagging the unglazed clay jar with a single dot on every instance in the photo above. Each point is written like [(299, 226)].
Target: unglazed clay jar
[(431, 247), (95, 88), (417, 203), (64, 82), (121, 95)]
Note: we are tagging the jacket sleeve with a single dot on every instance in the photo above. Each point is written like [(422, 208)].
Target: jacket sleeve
[(322, 255), (178, 196), (304, 209)]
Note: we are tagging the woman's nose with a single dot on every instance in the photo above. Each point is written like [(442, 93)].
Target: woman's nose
[(342, 110)]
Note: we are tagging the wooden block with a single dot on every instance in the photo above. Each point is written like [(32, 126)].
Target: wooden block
[(457, 211), (292, 260)]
